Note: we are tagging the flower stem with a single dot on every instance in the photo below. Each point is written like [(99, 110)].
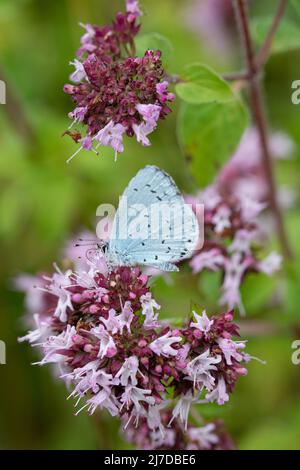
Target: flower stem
[(258, 109), (236, 76), (264, 52)]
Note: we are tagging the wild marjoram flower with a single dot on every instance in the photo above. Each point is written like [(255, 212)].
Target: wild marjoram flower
[(231, 232), (100, 329), (209, 436), (116, 92), (232, 229)]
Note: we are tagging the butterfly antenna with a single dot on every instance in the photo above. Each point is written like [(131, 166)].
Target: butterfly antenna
[(87, 242)]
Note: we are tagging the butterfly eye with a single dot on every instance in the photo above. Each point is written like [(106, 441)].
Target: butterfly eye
[(104, 248)]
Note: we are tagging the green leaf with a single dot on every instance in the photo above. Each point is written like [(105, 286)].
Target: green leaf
[(153, 41), (255, 300), (209, 134), (296, 5), (287, 37), (170, 393), (202, 85)]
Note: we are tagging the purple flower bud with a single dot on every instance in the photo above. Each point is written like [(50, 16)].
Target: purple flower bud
[(117, 92)]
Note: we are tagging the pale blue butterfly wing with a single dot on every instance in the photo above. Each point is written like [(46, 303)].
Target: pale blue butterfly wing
[(158, 240)]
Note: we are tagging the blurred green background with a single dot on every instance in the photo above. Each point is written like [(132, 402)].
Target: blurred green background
[(44, 201)]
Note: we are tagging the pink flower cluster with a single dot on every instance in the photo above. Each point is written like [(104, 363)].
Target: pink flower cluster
[(208, 436), (244, 173), (230, 240), (212, 21), (115, 92), (233, 221), (100, 328)]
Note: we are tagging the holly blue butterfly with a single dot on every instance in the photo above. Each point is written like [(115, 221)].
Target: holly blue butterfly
[(153, 225)]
